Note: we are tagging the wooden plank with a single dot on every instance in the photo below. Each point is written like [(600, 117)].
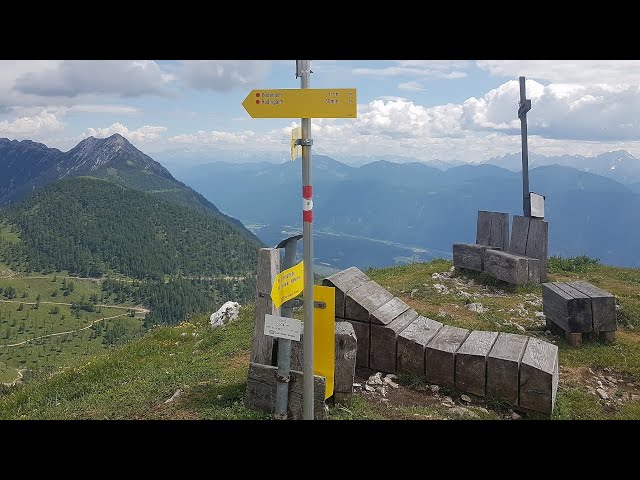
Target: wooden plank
[(440, 355), (411, 343), (471, 361), (389, 311), (499, 230), (384, 339), (567, 307), (537, 244), (508, 267), (344, 281), (362, 331), (603, 306), (261, 392), (534, 269), (345, 360), (503, 366), (519, 234), (483, 228), (365, 299), (268, 268), (468, 255), (539, 376)]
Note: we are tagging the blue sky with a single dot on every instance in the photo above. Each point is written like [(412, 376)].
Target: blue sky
[(409, 109)]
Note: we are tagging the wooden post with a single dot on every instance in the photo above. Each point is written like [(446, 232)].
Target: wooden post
[(471, 359), (411, 343), (268, 268), (384, 340), (440, 355)]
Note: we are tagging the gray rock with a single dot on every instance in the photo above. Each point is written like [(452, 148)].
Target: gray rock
[(391, 383), (175, 396), (385, 401), (476, 307), (435, 388), (375, 379), (515, 416), (391, 376), (382, 391), (465, 398), (413, 292), (226, 313), (602, 394), (448, 402), (369, 388), (464, 412)]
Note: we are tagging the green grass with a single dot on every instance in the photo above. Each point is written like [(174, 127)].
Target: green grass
[(579, 264), (134, 380)]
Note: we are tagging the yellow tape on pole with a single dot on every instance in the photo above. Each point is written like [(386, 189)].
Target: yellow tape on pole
[(324, 337)]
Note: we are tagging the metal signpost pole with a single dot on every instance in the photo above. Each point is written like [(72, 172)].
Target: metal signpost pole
[(523, 107), (284, 344), (304, 71)]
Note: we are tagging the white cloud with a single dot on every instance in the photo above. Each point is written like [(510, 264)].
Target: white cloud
[(223, 75), (70, 78), (105, 108), (446, 69), (215, 137), (568, 71), (412, 85), (145, 134), (38, 124)]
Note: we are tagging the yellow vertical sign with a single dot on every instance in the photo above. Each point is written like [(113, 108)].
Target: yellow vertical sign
[(296, 150), (324, 336)]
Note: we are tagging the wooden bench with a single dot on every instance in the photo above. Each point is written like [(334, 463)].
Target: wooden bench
[(525, 261), (492, 232), (575, 308)]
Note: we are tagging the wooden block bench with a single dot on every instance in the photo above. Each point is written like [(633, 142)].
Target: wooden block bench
[(525, 261), (575, 308), (391, 337), (492, 232)]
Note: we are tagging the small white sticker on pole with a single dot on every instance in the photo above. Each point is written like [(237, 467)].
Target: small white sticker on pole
[(282, 327)]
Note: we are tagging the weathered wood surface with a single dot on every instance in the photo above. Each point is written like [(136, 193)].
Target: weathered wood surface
[(411, 343), (539, 376), (492, 229), (471, 359), (603, 306), (344, 281), (362, 331), (384, 339), (508, 267), (468, 255), (297, 354), (440, 355), (345, 360), (389, 311), (567, 307), (499, 230), (519, 234), (268, 268), (537, 244), (365, 299), (261, 392), (503, 365), (535, 270), (483, 228)]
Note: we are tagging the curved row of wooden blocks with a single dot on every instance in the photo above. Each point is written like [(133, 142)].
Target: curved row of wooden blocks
[(393, 338)]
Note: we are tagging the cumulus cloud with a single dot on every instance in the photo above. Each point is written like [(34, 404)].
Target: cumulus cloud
[(71, 78), (446, 69), (145, 134), (223, 75), (40, 123), (564, 71)]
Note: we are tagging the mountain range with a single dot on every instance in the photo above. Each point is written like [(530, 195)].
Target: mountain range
[(384, 212)]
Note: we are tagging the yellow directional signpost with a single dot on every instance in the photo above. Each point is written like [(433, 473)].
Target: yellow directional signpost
[(304, 103), (324, 335), (301, 103), (288, 284)]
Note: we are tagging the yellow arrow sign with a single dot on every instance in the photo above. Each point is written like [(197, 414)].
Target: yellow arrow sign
[(288, 284), (301, 103)]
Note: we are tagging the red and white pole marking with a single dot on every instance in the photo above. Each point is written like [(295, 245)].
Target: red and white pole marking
[(307, 204)]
